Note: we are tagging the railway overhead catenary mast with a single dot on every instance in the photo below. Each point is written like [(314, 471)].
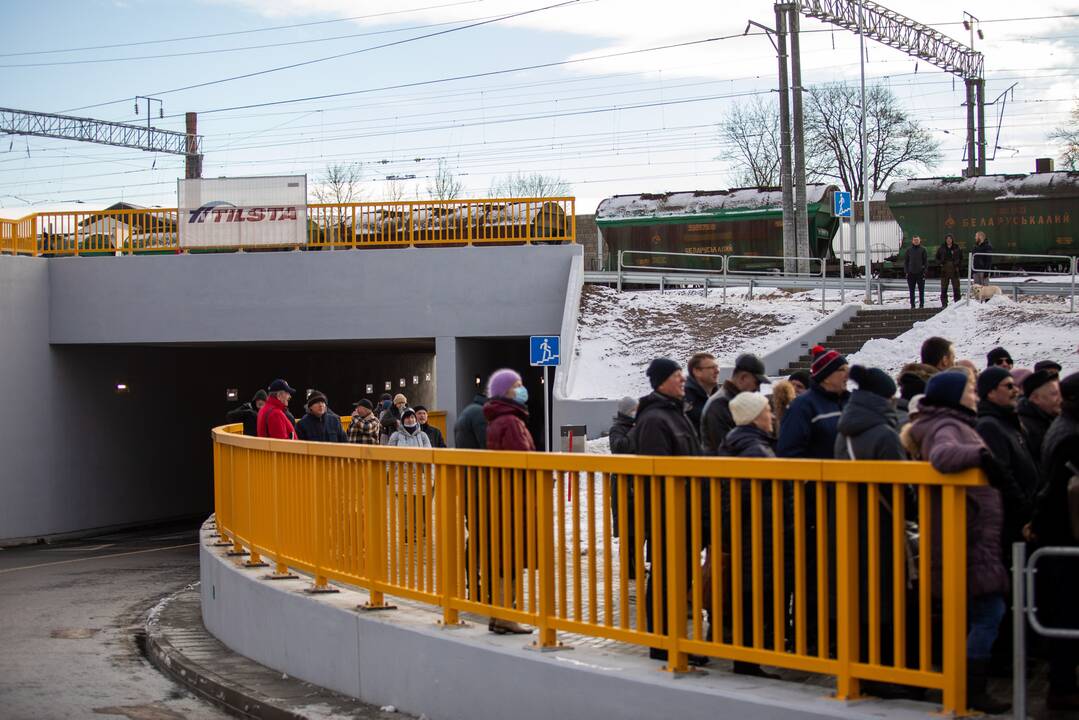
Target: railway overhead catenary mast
[(105, 132), (923, 42)]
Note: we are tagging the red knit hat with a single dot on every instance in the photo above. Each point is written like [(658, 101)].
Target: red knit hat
[(825, 362)]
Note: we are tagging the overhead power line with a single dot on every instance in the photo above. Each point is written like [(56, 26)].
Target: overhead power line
[(337, 56)]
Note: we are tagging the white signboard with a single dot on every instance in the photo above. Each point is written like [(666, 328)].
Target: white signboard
[(243, 212)]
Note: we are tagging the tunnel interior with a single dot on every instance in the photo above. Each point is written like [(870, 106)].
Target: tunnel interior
[(144, 448)]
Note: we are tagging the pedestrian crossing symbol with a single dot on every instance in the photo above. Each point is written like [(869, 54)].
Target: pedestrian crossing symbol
[(841, 204)]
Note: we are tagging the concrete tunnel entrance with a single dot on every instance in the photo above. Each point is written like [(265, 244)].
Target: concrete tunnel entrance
[(144, 448)]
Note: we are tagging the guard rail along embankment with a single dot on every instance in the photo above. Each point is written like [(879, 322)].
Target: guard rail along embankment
[(854, 591), (416, 223)]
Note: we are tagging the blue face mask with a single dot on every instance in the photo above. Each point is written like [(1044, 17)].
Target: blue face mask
[(521, 395)]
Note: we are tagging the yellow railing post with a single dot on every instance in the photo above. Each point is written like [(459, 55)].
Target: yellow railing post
[(846, 575), (954, 604), (447, 489), (375, 497), (675, 540), (545, 610)]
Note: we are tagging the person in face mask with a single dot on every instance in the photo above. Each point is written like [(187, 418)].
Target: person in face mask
[(507, 412), (408, 433)]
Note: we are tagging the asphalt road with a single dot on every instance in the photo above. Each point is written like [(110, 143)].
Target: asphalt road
[(69, 618)]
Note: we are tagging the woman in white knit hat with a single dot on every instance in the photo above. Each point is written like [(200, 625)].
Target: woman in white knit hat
[(752, 435)]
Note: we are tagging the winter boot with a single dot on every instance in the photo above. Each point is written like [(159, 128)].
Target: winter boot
[(978, 697)]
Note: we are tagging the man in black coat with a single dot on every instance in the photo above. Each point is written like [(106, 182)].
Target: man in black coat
[(433, 434), (982, 263), (701, 383), (999, 426), (662, 428), (622, 444), (950, 259), (470, 430), (320, 424), (248, 413), (716, 420), (1052, 526), (1038, 407), (915, 263)]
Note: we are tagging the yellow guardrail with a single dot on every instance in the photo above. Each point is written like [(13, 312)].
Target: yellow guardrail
[(417, 223), (529, 537)]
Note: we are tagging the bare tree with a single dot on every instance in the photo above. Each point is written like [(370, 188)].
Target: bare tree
[(898, 145), (341, 183), (520, 185), (1068, 136), (750, 136), (445, 185), (395, 189)]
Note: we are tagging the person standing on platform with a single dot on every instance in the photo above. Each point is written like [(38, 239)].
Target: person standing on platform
[(983, 264), (391, 418), (320, 424), (248, 413), (915, 263), (470, 430), (273, 419), (622, 444), (365, 427), (950, 259), (716, 420), (1038, 408), (701, 383), (433, 434), (408, 433)]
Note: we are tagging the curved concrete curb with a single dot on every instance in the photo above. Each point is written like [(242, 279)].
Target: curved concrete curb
[(176, 641), (406, 659)]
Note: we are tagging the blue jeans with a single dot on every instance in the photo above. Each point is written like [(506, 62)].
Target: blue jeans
[(985, 614)]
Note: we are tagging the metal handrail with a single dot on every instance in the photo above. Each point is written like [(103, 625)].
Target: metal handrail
[(725, 273), (1025, 610), (1073, 262), (500, 533)]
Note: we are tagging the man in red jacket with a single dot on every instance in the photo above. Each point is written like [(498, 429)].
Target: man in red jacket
[(273, 420)]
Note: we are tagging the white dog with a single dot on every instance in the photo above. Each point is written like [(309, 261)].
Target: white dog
[(984, 292)]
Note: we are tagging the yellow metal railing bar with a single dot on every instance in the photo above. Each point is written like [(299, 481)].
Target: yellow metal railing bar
[(510, 535), (417, 223)]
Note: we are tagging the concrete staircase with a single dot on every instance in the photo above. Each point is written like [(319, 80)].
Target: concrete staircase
[(866, 325)]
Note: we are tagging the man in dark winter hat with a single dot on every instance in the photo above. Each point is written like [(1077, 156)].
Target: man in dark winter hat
[(800, 379), (998, 424), (248, 413), (433, 434), (364, 428), (868, 429), (998, 356), (716, 420), (662, 428), (809, 427), (1038, 407), (1050, 365), (1053, 525), (320, 424)]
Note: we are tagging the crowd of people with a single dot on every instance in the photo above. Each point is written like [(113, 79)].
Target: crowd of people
[(1019, 426)]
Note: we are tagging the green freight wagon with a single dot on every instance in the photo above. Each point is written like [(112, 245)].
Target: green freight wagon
[(1036, 214), (743, 221)]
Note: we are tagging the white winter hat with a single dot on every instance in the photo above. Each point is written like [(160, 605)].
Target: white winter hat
[(745, 407)]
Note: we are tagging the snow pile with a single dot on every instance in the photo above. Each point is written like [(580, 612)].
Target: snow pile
[(618, 334), (1030, 331)]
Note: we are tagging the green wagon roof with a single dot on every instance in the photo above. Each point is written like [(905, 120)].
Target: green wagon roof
[(709, 205)]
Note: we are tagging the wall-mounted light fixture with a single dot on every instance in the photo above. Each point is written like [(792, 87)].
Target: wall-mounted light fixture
[(415, 379), (427, 377), (369, 389), (478, 380), (401, 382), (389, 385), (232, 395), (122, 388)]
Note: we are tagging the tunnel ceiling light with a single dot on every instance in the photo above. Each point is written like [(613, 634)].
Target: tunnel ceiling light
[(389, 385), (427, 377), (369, 389), (401, 382), (232, 394), (478, 381), (122, 388), (415, 379)]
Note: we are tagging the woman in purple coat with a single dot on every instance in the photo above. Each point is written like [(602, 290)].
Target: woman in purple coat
[(944, 433)]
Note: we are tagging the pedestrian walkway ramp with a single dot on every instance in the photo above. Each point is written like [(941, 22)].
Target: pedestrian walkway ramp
[(325, 539)]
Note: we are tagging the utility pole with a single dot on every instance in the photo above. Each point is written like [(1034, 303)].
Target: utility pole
[(801, 216), (193, 159), (790, 240), (865, 167)]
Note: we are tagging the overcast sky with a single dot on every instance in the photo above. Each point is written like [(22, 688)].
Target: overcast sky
[(641, 122)]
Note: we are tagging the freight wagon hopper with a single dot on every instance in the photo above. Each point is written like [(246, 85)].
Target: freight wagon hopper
[(1036, 214), (743, 222)]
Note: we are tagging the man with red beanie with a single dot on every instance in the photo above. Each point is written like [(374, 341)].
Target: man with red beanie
[(812, 421)]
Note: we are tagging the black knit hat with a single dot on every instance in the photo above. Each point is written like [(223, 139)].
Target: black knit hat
[(260, 394), (1035, 380), (419, 407), (946, 388), (1069, 388), (660, 369), (314, 397), (1050, 365), (364, 403), (873, 380), (994, 356), (989, 378), (406, 412), (801, 376)]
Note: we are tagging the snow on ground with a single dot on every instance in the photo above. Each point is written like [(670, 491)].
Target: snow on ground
[(618, 334), (1031, 330)]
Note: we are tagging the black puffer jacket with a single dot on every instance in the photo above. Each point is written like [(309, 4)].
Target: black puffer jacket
[(621, 442), (247, 415), (749, 441), (916, 260), (1018, 482), (1051, 523), (870, 422), (716, 420), (662, 428), (1036, 423)]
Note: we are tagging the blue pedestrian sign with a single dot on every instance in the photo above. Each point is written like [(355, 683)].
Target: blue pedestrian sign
[(543, 350), (841, 204)]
